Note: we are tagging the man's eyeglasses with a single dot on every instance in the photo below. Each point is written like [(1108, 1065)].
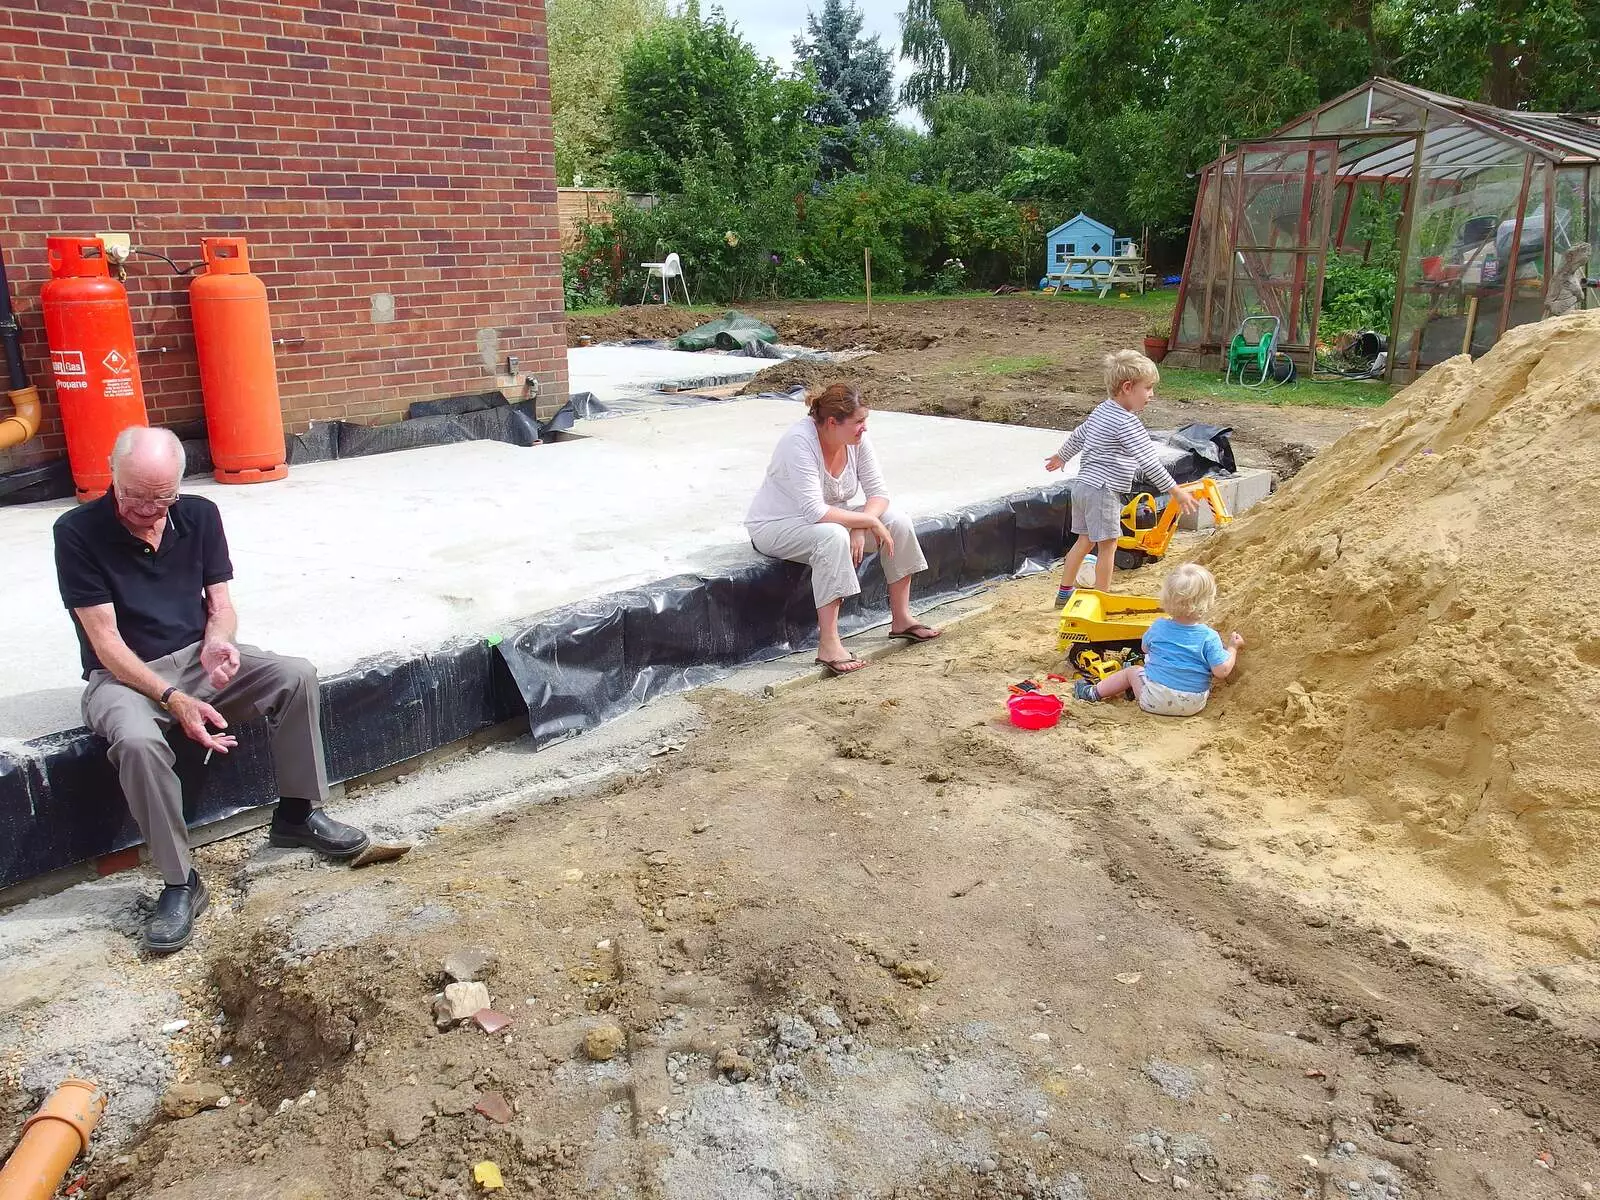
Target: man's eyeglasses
[(148, 501)]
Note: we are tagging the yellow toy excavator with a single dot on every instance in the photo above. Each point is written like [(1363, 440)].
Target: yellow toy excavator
[(1147, 535)]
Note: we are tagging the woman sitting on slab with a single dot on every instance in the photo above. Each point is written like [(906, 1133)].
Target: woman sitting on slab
[(805, 512)]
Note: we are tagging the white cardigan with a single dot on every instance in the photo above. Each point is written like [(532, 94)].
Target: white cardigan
[(798, 486)]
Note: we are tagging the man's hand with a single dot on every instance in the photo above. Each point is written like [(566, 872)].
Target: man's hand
[(1236, 640), (1186, 501), (858, 545), (1054, 463), (885, 542), (221, 660), (194, 716)]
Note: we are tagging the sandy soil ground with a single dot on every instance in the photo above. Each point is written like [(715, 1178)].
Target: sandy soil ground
[(863, 938), (1016, 359)]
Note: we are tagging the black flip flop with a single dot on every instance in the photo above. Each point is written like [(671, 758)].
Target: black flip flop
[(837, 667), (916, 633)]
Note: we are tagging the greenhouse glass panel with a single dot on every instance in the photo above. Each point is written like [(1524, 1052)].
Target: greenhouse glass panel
[(1592, 174), (1347, 116), (1525, 304), (1572, 217), (1202, 267)]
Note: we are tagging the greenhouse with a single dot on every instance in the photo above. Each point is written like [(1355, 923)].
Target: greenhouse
[(1436, 222)]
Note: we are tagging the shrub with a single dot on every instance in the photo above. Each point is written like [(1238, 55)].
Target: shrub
[(1355, 296), (584, 281), (757, 230), (951, 277)]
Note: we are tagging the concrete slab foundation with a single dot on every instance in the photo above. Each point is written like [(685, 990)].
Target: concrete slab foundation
[(402, 552)]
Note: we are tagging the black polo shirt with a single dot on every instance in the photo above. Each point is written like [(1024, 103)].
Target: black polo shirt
[(159, 595)]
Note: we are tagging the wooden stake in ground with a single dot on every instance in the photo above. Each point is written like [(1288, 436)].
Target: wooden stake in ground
[(867, 255)]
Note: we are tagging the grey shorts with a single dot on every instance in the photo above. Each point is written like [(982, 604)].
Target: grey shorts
[(1096, 512)]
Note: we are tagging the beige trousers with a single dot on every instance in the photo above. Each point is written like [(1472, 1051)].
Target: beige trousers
[(283, 690), (825, 547)]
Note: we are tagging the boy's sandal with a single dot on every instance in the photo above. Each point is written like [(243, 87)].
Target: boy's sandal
[(916, 633), (841, 666)]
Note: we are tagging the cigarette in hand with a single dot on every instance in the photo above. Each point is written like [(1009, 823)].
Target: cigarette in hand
[(207, 760)]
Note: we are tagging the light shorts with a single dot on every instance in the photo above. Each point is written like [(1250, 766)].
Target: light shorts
[(1163, 701), (1096, 512)]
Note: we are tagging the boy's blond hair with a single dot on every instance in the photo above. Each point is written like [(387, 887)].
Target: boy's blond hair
[(1188, 593), (1125, 366)]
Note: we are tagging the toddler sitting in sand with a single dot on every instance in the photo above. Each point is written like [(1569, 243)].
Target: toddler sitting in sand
[(1181, 656)]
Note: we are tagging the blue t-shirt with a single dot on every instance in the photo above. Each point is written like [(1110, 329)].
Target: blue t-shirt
[(1181, 656)]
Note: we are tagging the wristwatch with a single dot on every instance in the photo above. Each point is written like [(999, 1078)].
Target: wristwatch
[(166, 696)]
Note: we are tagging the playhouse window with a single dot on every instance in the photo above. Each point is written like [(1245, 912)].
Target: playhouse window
[(1065, 249)]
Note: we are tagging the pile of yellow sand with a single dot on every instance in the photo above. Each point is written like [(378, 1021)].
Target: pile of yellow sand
[(1422, 609)]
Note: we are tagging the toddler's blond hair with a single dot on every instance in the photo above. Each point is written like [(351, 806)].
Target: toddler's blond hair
[(1188, 593), (1124, 366)]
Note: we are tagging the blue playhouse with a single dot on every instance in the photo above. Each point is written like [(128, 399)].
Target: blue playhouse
[(1079, 237)]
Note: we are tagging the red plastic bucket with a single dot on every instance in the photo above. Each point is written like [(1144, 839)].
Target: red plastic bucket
[(1034, 710)]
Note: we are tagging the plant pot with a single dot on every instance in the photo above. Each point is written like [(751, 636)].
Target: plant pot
[(1155, 348)]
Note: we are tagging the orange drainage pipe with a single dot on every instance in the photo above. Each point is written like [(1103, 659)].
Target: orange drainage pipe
[(24, 421), (51, 1139)]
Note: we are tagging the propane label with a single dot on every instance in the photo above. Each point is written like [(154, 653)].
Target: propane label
[(68, 362), (119, 387), (117, 364)]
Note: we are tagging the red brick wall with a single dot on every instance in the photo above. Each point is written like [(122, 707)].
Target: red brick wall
[(362, 147)]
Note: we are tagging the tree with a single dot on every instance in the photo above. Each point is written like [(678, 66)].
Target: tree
[(691, 82), (1537, 54), (1146, 92), (982, 46), (854, 81), (973, 139), (588, 39), (854, 75)]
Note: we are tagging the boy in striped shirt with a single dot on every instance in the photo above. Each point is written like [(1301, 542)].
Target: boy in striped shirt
[(1116, 447)]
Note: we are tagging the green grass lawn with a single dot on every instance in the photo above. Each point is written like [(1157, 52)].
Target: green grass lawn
[(1181, 383), (606, 310), (1015, 364), (892, 298), (1155, 303)]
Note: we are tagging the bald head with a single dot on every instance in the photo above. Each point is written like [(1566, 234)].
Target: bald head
[(147, 461)]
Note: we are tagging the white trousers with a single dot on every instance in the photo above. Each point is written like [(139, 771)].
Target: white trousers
[(825, 548)]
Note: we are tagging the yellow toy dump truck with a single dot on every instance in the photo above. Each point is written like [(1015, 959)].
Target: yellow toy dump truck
[(1101, 633)]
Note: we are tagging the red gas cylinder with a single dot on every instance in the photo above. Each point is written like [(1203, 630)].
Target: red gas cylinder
[(90, 332), (233, 341)]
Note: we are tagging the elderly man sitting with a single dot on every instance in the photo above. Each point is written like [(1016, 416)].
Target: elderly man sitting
[(145, 574)]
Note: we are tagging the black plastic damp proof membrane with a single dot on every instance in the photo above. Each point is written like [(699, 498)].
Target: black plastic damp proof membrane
[(568, 670), (474, 418)]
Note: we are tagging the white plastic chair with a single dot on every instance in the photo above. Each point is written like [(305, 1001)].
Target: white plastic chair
[(666, 272)]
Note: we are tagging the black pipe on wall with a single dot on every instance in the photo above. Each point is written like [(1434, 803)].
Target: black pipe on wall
[(10, 335)]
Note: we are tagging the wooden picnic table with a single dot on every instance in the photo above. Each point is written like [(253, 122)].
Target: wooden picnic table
[(1123, 271)]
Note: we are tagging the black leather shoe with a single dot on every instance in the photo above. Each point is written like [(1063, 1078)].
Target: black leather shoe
[(321, 833), (170, 927)]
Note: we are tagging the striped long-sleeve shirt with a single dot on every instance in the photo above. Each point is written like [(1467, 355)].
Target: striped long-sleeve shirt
[(1116, 447)]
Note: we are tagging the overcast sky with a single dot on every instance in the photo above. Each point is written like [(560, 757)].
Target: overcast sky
[(772, 28)]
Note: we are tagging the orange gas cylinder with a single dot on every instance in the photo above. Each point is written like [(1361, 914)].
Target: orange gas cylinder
[(233, 341), (90, 332)]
